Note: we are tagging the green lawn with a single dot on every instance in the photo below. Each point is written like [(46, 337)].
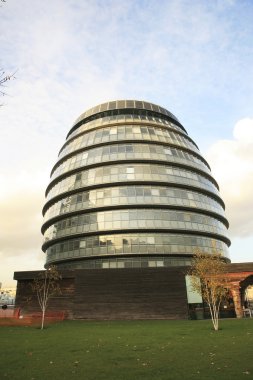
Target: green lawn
[(128, 350)]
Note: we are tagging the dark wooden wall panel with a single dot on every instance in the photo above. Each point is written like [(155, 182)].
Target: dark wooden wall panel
[(158, 293)]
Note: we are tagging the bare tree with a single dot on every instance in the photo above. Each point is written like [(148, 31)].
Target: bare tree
[(46, 285), (208, 278), (3, 79), (3, 76)]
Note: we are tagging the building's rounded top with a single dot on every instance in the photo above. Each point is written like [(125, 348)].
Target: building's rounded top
[(121, 105)]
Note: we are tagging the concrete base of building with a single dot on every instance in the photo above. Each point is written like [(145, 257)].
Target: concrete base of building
[(109, 294)]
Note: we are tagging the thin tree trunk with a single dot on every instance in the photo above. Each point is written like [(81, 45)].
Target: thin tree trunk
[(43, 318)]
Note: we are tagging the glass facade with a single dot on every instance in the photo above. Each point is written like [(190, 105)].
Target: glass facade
[(131, 189)]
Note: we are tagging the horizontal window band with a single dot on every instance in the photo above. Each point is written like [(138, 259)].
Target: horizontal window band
[(132, 161), (125, 111), (124, 142), (133, 183), (134, 207), (47, 244), (157, 256), (123, 124)]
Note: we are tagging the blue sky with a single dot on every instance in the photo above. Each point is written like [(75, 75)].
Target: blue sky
[(194, 58)]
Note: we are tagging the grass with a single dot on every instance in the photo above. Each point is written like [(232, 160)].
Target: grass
[(123, 350)]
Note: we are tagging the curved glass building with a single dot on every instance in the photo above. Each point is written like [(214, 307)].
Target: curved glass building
[(131, 189)]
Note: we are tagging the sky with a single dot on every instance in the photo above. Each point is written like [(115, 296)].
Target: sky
[(195, 58)]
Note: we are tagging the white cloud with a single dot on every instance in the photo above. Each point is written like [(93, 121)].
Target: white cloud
[(21, 201), (243, 132), (232, 165)]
